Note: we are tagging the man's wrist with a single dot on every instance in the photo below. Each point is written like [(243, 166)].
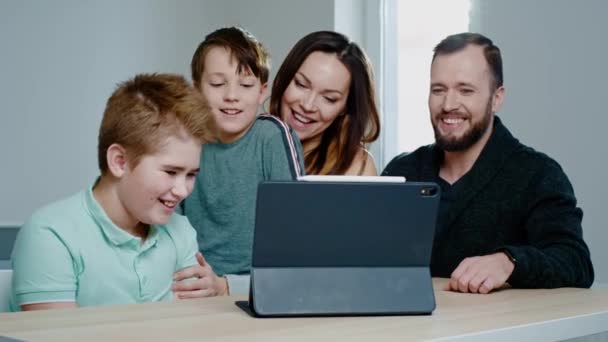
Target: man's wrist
[(511, 261), (509, 256)]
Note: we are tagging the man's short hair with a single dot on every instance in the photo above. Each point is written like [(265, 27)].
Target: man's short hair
[(491, 52), (248, 52), (145, 110)]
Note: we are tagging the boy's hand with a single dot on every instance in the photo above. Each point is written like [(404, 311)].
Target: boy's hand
[(208, 283)]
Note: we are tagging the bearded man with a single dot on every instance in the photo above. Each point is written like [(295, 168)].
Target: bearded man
[(508, 214)]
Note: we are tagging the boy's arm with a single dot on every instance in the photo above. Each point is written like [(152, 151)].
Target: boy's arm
[(43, 271), (194, 277), (48, 306), (191, 271), (185, 235)]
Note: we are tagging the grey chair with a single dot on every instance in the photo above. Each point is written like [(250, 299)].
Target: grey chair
[(5, 289)]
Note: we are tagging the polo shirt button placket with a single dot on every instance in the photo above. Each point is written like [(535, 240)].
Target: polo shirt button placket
[(144, 281), (140, 278), (144, 287)]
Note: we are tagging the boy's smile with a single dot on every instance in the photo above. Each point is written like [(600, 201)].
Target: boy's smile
[(148, 192), (170, 205), (231, 111)]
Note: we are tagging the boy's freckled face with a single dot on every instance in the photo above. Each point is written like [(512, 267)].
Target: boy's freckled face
[(151, 191), (234, 98)]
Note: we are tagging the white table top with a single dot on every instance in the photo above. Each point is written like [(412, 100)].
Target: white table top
[(507, 315)]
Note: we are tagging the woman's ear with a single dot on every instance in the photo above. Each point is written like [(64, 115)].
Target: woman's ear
[(117, 160)]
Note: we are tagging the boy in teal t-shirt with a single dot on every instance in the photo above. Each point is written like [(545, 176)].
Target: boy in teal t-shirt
[(230, 68), (118, 241)]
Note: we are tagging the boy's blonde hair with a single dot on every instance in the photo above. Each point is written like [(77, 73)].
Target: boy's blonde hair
[(144, 111), (248, 52)]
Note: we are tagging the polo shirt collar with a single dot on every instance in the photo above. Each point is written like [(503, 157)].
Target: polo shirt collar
[(111, 231)]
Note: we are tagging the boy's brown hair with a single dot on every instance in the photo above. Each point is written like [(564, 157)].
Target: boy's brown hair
[(248, 52), (147, 109)]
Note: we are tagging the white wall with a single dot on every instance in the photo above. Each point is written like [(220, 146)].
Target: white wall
[(363, 22), (279, 24), (555, 69), (60, 61)]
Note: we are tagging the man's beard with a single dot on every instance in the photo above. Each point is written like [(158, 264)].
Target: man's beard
[(470, 137)]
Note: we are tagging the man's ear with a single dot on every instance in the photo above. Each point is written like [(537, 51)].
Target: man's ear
[(263, 93), (498, 99), (117, 160)]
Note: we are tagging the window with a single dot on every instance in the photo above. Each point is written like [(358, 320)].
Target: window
[(411, 29)]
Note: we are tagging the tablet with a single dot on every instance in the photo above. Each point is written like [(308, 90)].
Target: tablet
[(343, 248)]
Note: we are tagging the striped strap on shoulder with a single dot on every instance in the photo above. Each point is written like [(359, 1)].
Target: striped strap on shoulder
[(290, 146)]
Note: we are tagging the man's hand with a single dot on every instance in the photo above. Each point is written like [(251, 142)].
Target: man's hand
[(207, 284), (481, 274)]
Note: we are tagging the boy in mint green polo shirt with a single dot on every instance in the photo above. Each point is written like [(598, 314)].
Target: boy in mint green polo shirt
[(119, 241)]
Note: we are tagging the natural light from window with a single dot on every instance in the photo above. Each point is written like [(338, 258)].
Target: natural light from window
[(421, 25)]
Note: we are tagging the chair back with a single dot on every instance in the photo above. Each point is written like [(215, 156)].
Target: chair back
[(5, 289)]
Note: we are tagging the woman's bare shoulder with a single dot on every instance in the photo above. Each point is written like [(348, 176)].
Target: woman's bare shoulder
[(363, 164)]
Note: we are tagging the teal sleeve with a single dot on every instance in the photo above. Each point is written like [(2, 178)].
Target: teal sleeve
[(186, 238), (283, 157), (43, 268)]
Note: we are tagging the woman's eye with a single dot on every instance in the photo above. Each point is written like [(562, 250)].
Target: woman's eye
[(299, 84), (170, 172), (331, 100), (247, 85), (215, 85)]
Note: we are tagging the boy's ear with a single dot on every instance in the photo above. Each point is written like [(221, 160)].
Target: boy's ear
[(117, 160), (263, 93)]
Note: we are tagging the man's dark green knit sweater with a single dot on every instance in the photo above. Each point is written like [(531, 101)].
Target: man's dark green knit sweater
[(513, 198)]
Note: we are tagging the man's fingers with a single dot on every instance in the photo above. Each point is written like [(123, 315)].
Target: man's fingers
[(478, 275), (465, 279), (476, 281), (454, 284), (488, 285), (459, 281), (461, 269), (447, 286)]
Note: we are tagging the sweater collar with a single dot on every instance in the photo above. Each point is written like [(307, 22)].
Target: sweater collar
[(491, 160)]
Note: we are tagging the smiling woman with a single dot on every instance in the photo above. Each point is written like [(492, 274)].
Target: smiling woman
[(324, 90)]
